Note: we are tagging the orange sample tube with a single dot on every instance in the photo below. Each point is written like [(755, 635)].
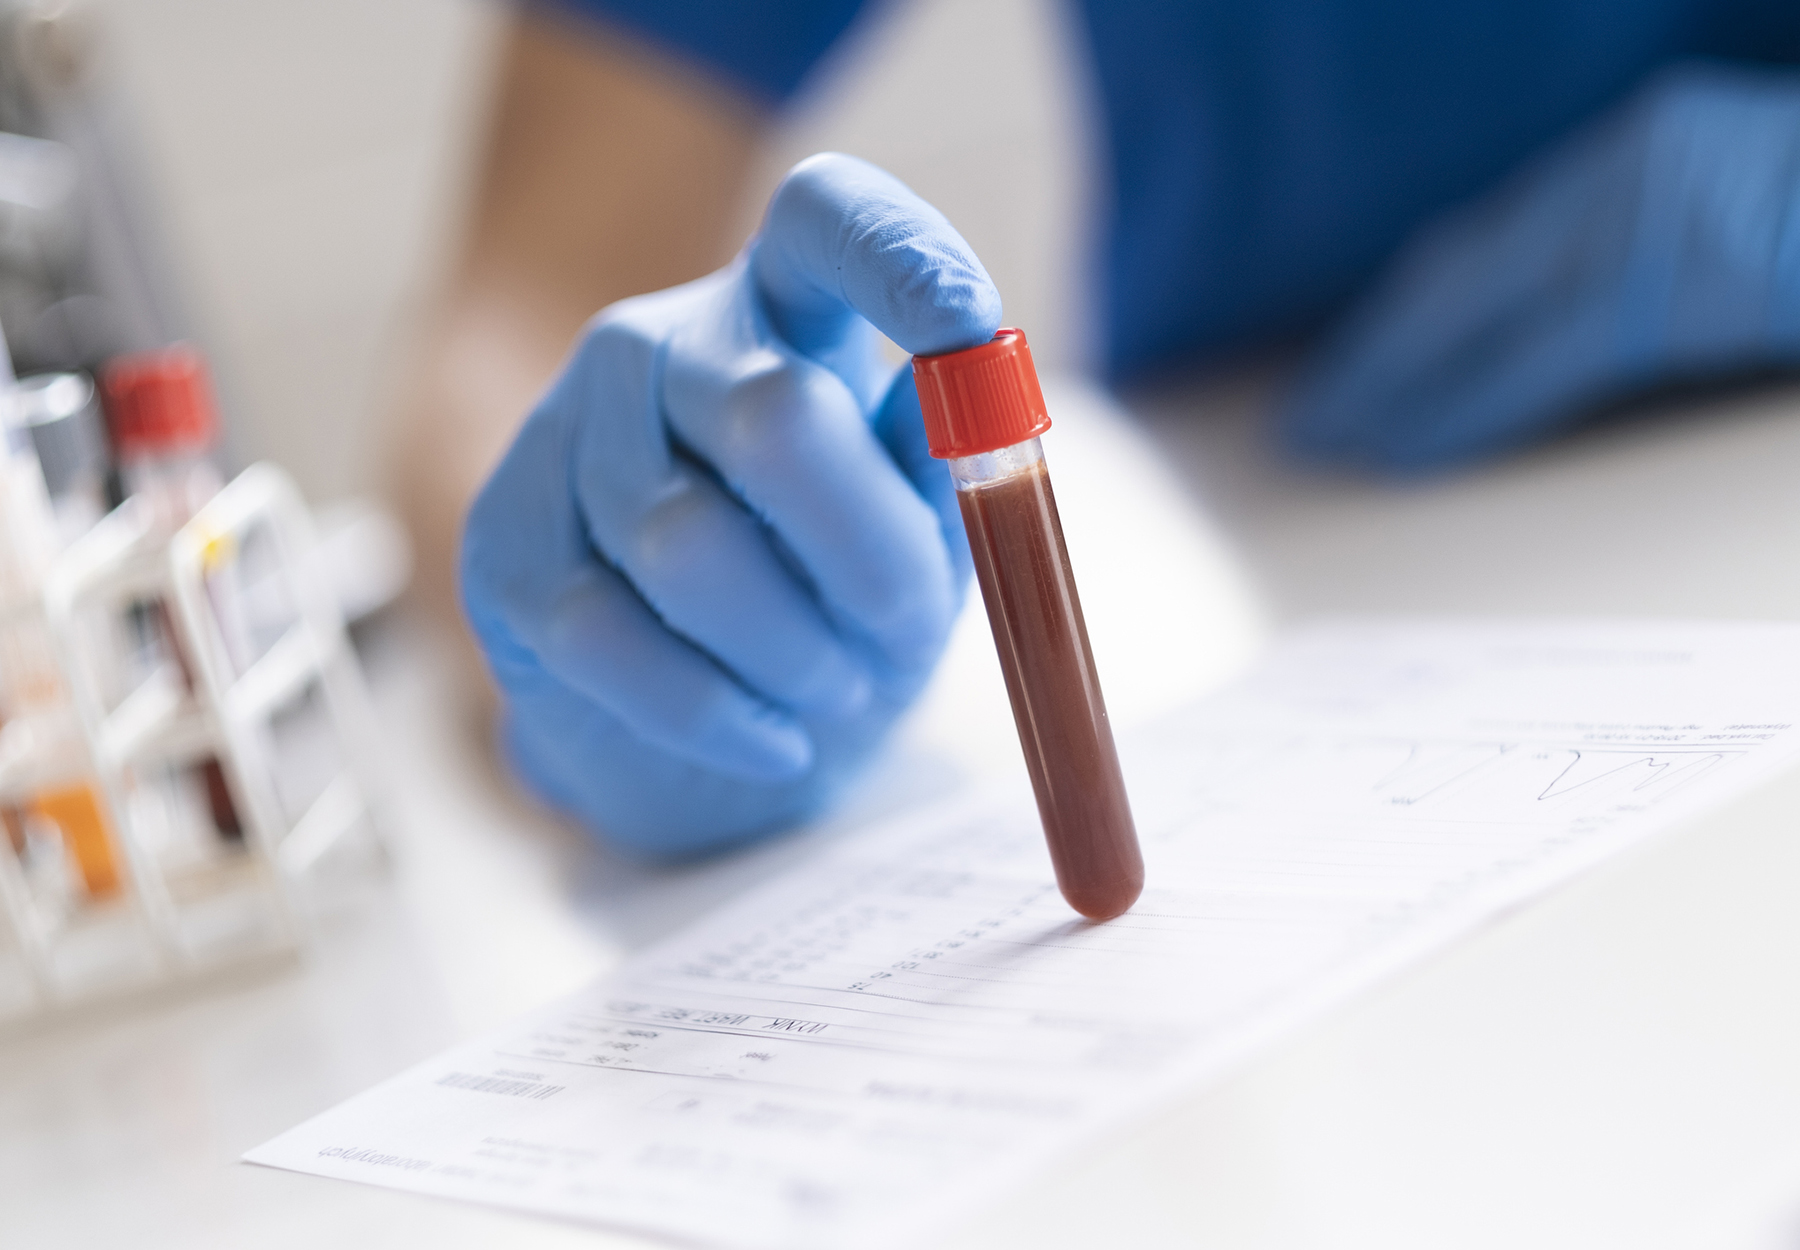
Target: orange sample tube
[(76, 811), (983, 413), (34, 688)]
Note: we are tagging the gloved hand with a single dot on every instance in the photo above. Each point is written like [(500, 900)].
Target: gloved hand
[(1660, 245), (718, 561)]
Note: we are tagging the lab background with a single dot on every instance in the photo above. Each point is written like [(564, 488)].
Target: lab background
[(1614, 1066)]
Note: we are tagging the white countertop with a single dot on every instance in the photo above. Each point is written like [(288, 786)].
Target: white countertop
[(1618, 1065)]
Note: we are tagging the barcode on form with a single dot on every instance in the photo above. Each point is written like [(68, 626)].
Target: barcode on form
[(499, 1085)]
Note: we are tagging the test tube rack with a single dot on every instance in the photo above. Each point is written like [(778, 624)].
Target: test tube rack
[(251, 648)]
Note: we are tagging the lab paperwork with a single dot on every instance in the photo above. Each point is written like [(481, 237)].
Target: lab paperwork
[(849, 1054)]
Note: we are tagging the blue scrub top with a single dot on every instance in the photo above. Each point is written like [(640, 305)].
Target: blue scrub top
[(1268, 155)]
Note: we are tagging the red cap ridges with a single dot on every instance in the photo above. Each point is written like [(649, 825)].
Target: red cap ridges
[(159, 402), (982, 398)]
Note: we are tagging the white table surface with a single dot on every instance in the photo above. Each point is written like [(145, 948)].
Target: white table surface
[(1618, 1065)]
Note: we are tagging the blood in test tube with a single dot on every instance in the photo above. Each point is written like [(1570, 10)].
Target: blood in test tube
[(164, 423), (983, 413)]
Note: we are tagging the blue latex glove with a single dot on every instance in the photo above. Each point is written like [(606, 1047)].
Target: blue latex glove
[(1660, 245), (718, 561)]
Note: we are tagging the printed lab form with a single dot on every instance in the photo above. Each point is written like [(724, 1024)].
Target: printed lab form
[(858, 1050)]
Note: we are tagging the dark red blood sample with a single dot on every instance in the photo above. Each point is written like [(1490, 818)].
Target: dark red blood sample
[(218, 791), (1017, 541)]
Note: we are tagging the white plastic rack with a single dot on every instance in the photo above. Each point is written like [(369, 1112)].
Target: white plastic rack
[(215, 653)]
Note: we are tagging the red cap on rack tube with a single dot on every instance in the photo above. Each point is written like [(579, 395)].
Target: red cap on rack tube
[(982, 398), (159, 402)]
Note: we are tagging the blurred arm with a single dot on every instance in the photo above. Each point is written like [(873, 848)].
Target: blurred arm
[(607, 172)]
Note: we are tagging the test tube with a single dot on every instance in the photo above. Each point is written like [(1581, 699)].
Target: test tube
[(33, 696), (61, 411), (164, 423), (983, 413)]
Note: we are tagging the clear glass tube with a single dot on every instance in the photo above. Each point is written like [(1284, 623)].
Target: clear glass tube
[(174, 485)]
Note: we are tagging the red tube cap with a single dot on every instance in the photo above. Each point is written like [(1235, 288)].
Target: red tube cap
[(159, 402), (982, 398)]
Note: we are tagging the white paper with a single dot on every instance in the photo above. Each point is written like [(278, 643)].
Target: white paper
[(848, 1055)]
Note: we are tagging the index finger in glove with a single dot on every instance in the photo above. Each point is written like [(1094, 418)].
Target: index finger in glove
[(843, 238)]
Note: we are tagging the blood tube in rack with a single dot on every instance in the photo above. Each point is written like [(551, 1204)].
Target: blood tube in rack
[(165, 424), (983, 413)]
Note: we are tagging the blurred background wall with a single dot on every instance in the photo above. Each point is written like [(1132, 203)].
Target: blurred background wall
[(307, 162)]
